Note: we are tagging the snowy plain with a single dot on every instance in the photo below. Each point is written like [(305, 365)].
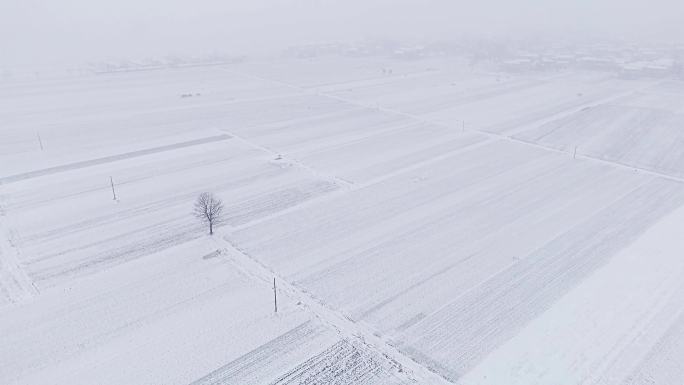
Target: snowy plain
[(432, 224)]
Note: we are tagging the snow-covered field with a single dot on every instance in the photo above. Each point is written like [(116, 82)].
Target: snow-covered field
[(428, 224), (643, 129)]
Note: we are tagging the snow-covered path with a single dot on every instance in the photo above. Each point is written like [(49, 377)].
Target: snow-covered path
[(344, 325)]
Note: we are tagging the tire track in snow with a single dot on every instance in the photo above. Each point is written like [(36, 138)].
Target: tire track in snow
[(249, 368), (341, 364), (663, 363), (494, 311), (406, 366), (15, 284)]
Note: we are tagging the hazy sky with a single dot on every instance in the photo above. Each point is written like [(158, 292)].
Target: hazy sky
[(71, 31)]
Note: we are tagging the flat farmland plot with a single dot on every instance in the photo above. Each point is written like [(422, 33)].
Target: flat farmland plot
[(451, 260), (419, 91), (508, 109), (108, 114), (402, 246), (620, 326), (435, 91), (663, 365), (492, 102), (341, 363), (630, 131), (332, 72), (378, 156), (359, 144), (318, 131), (171, 318), (67, 224)]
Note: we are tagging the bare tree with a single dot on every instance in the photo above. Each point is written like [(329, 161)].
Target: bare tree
[(209, 209)]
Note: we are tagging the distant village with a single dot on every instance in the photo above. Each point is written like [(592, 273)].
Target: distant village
[(631, 62), (628, 61), (625, 60)]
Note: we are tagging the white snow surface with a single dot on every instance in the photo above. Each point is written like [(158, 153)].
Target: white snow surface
[(435, 225)]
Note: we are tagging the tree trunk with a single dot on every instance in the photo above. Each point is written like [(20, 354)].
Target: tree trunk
[(211, 228)]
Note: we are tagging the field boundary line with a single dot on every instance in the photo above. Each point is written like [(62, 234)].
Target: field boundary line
[(409, 367), (337, 180), (358, 186), (574, 110), (479, 130), (109, 159)]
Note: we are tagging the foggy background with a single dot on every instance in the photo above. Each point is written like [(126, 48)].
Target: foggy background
[(67, 32)]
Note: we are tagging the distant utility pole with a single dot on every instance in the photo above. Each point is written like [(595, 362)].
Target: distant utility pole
[(111, 181), (40, 141), (275, 296), (574, 154)]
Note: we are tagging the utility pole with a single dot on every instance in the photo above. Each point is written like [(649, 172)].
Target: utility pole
[(275, 296), (111, 181), (40, 141)]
